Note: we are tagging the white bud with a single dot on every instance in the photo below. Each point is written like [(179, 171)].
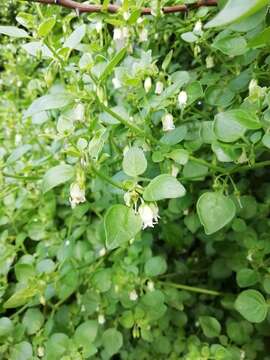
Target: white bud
[(127, 198), (78, 112), (102, 252), (126, 15), (133, 296), (198, 28), (117, 34), (77, 195), (149, 215), (101, 319), (175, 170), (98, 26), (150, 286), (143, 35), (125, 32), (116, 83), (209, 61), (139, 20), (40, 351), (159, 88), (167, 123), (197, 50), (182, 99), (255, 91), (147, 84)]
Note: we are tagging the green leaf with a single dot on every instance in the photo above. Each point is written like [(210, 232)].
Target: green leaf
[(21, 351), (56, 176), (163, 187), (210, 326), (20, 297), (121, 225), (236, 10), (134, 162), (155, 266), (227, 128), (46, 27), (75, 38), (18, 153), (246, 277), (6, 327), (263, 38), (13, 31), (180, 156), (266, 140), (33, 320), (175, 136), (85, 335), (112, 341), (231, 45), (112, 64), (48, 102), (252, 306), (215, 211)]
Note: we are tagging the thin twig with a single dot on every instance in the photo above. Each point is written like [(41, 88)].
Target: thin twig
[(111, 8)]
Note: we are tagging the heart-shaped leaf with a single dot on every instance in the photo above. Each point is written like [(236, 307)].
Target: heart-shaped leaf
[(163, 187), (215, 211)]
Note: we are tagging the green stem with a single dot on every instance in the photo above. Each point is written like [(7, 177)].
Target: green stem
[(106, 178), (250, 167), (21, 177), (192, 288), (209, 165), (127, 123)]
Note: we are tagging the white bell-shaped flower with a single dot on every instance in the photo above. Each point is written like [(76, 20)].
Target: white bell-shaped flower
[(159, 88), (143, 37), (182, 99), (167, 123), (209, 62), (101, 319), (116, 83), (77, 195), (148, 214), (198, 28), (133, 296), (147, 84), (117, 34)]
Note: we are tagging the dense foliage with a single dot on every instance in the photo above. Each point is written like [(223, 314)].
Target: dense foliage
[(134, 184)]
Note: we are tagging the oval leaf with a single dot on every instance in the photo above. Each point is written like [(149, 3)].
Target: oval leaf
[(121, 225), (134, 162), (252, 306), (236, 10), (56, 176), (163, 187)]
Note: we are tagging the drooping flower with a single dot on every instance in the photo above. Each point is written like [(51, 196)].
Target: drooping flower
[(150, 286), (126, 15), (116, 83), (167, 123), (209, 61), (148, 214), (133, 296), (77, 194), (98, 26), (147, 84), (101, 319), (182, 99), (102, 252), (117, 34), (255, 91), (198, 28), (78, 112), (159, 88), (175, 170), (143, 37)]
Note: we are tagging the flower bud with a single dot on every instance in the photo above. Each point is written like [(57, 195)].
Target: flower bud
[(150, 286), (209, 61), (98, 26), (167, 123), (159, 88), (117, 34), (101, 319), (182, 99), (116, 83), (143, 37), (78, 112), (126, 15), (133, 296), (147, 84), (198, 28), (102, 252)]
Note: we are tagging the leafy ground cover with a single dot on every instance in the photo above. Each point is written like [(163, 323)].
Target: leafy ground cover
[(134, 184)]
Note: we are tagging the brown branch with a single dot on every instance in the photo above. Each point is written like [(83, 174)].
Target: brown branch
[(86, 8)]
